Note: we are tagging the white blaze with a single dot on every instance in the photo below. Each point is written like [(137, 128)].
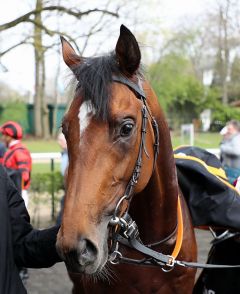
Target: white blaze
[(86, 111)]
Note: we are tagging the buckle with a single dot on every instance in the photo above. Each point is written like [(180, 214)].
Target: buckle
[(169, 266), (131, 230)]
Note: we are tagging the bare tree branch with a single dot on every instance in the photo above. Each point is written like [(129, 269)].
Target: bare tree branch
[(41, 26), (92, 29), (69, 11), (3, 67), (14, 46)]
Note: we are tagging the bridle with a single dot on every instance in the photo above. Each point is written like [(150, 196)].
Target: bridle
[(123, 227), (124, 230), (137, 89)]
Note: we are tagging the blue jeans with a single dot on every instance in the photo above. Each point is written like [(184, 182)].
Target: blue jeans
[(232, 173)]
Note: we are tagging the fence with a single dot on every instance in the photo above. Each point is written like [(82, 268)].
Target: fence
[(39, 157), (51, 158), (54, 119)]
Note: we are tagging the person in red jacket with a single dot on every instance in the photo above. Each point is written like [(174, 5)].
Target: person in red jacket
[(18, 163), (17, 157)]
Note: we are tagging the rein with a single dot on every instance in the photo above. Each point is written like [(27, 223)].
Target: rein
[(125, 230)]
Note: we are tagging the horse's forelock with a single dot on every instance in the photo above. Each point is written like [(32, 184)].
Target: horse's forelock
[(94, 77)]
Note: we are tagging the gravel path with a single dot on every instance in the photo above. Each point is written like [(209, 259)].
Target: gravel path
[(55, 280)]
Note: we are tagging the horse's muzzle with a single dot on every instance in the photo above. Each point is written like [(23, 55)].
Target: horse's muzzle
[(87, 252), (83, 258)]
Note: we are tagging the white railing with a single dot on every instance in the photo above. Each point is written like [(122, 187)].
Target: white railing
[(42, 157)]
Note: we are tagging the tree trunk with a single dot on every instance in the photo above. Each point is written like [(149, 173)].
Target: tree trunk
[(40, 106), (56, 101), (226, 62), (37, 99), (45, 111), (224, 50)]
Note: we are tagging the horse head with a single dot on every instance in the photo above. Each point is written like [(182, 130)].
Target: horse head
[(110, 138)]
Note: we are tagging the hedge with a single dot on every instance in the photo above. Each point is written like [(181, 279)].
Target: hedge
[(51, 182)]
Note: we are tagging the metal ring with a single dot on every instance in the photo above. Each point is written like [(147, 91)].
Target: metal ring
[(170, 265), (116, 259), (119, 202), (167, 269)]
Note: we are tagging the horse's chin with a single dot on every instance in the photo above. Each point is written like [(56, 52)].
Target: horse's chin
[(86, 270)]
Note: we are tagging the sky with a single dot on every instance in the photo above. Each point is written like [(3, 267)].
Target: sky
[(20, 62)]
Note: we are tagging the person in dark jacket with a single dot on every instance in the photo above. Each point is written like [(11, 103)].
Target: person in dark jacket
[(20, 244), (230, 150), (2, 151)]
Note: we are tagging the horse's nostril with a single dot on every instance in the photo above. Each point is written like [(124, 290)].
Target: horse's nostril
[(87, 252)]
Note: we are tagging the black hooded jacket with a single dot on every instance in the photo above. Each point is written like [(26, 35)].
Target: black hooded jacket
[(20, 244)]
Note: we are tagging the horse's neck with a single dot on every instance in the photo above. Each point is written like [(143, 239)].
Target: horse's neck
[(155, 208)]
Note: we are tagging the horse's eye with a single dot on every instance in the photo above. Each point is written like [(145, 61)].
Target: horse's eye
[(126, 129)]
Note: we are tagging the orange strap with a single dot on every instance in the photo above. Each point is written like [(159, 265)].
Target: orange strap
[(179, 239)]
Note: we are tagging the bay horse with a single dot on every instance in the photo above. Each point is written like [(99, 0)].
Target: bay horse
[(121, 163)]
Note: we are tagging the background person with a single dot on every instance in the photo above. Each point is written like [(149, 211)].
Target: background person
[(17, 157), (64, 159), (64, 164), (18, 162), (2, 151), (230, 149)]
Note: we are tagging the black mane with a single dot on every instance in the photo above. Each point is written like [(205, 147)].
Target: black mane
[(94, 77)]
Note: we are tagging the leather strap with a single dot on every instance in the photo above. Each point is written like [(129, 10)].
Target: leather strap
[(204, 265), (179, 239), (130, 84), (165, 259)]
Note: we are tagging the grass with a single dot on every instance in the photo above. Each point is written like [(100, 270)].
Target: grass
[(203, 140), (37, 145), (44, 167)]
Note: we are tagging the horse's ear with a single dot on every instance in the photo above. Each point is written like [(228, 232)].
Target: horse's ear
[(70, 57), (127, 52)]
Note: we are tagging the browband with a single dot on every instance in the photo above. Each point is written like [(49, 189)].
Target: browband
[(130, 84)]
